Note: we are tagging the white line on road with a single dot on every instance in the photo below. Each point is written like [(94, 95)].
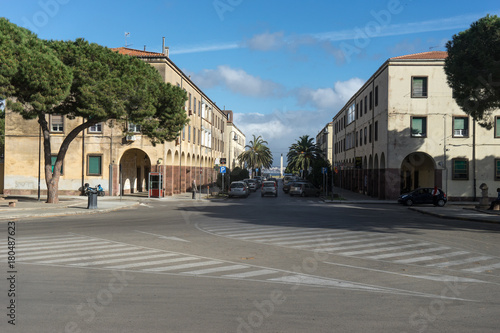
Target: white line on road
[(152, 263), (460, 262), (382, 249), (429, 258), (216, 270), (114, 261), (177, 267), (108, 248), (252, 274), (482, 268), (407, 253), (127, 252)]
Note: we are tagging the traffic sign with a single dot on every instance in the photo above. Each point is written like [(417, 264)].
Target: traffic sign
[(323, 170), (222, 169), (222, 160)]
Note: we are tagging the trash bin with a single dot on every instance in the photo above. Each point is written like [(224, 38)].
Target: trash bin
[(92, 203)]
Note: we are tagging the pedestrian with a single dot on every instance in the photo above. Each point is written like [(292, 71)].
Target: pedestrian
[(193, 188), (495, 202)]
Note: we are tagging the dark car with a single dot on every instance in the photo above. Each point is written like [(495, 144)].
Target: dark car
[(304, 189), (424, 195)]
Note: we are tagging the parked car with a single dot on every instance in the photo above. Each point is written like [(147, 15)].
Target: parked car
[(238, 189), (304, 189), (289, 178), (269, 187), (289, 183), (259, 180), (424, 195), (252, 184)]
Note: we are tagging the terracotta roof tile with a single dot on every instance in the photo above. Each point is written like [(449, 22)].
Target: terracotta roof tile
[(136, 53), (433, 55)]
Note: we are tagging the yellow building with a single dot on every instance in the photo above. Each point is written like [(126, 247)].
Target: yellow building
[(403, 129), (121, 163)]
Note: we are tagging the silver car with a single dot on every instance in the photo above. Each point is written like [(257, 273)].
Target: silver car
[(238, 189), (304, 189), (252, 184), (269, 187)]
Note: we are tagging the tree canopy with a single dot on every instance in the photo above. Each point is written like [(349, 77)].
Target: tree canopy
[(257, 154), (473, 68), (302, 154), (80, 79)]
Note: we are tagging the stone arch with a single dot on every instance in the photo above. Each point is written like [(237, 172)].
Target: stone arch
[(135, 166), (418, 169)]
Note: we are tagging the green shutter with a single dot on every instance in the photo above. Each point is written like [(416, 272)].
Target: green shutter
[(94, 165), (497, 127), (417, 126)]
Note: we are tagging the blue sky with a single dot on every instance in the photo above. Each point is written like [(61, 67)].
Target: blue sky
[(284, 67)]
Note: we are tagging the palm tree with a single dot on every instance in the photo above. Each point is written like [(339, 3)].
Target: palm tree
[(257, 154), (303, 153)]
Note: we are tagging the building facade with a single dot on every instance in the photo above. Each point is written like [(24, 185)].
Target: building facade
[(121, 163), (324, 140), (403, 129), (236, 141)]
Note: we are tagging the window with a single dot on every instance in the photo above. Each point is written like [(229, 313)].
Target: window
[(365, 135), (53, 159), (189, 133), (376, 131), (460, 169), (366, 104), (497, 169), (376, 96), (134, 128), (184, 133), (56, 123), (370, 133), (419, 87), (189, 101), (361, 108), (360, 137), (357, 111), (351, 114), (371, 100), (194, 106), (460, 127), (94, 165), (418, 126), (497, 127), (357, 137), (194, 135), (97, 128)]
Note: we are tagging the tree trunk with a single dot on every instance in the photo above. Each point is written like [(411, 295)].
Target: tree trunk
[(52, 176)]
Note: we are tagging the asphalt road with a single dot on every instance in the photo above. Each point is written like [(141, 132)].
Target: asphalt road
[(251, 265)]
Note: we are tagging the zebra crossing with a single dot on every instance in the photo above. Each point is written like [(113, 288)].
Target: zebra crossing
[(359, 244), (70, 250)]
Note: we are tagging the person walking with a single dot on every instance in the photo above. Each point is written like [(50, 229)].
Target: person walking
[(193, 188)]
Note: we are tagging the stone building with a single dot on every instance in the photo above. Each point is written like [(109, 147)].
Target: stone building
[(324, 139), (403, 129), (121, 163)]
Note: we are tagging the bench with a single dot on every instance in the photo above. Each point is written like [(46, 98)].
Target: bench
[(12, 202)]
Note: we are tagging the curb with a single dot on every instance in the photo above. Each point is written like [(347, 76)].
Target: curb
[(449, 217)]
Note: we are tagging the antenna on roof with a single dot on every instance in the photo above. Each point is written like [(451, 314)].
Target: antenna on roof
[(126, 35)]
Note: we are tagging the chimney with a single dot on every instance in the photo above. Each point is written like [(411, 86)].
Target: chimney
[(163, 46), (167, 51)]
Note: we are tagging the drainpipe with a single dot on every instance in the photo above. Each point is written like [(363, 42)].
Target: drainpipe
[(474, 157)]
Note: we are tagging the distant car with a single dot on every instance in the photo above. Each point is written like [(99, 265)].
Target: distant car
[(252, 184), (269, 187), (424, 195), (289, 183), (238, 189), (304, 189), (259, 180)]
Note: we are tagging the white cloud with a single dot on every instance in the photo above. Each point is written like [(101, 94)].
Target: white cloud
[(329, 98), (266, 41), (238, 81)]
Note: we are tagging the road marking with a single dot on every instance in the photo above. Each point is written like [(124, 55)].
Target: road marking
[(325, 237), (90, 243), (482, 268), (382, 249), (319, 246), (251, 274), (68, 251), (112, 248), (66, 241), (177, 267), (460, 262), (216, 270), (407, 253), (294, 233), (164, 237), (429, 258), (114, 261), (127, 252), (151, 263)]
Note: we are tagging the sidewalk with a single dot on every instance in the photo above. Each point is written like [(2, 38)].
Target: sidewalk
[(464, 211), (30, 207)]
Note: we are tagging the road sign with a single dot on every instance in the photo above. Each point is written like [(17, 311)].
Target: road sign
[(336, 170), (222, 160), (222, 169), (323, 170)]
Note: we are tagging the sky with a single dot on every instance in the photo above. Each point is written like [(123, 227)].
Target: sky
[(285, 67)]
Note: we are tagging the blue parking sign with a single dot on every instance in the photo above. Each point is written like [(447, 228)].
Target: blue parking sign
[(222, 169)]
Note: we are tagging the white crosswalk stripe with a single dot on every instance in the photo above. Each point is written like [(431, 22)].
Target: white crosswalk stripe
[(216, 269), (152, 263), (364, 244)]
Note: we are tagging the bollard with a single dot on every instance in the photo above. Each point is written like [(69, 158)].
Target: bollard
[(484, 202)]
